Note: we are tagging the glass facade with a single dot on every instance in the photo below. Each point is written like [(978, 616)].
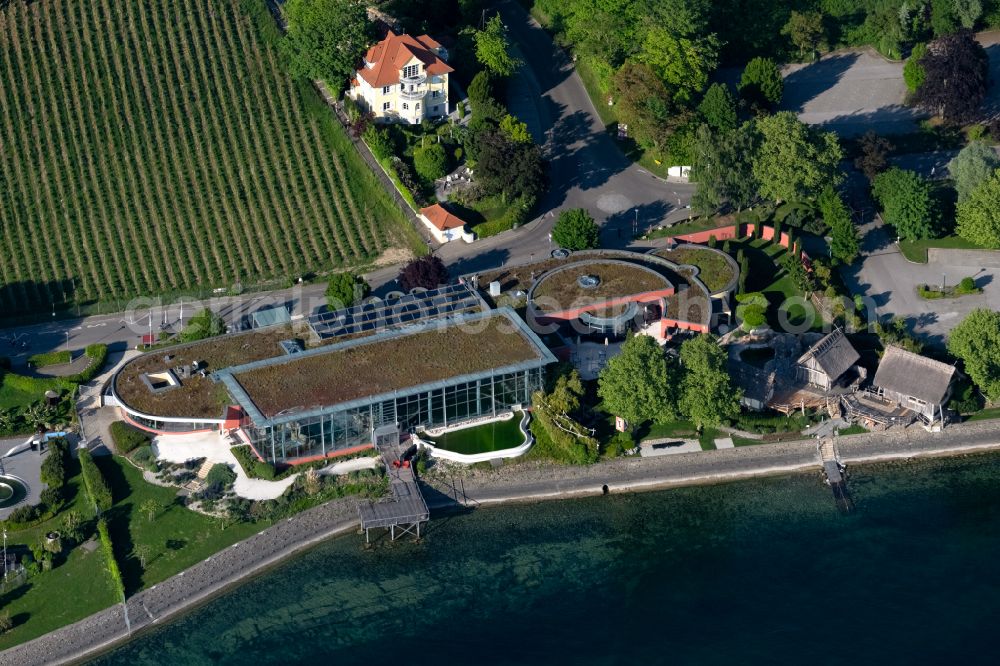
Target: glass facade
[(347, 428), (171, 426)]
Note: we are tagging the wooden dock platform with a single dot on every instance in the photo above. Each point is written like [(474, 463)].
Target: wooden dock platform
[(405, 509)]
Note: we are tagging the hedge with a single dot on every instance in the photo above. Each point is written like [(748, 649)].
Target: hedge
[(109, 555), (53, 471), (127, 438), (97, 354), (97, 487), (50, 358), (516, 215)]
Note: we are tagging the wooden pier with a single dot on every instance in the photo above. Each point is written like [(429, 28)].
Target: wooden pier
[(836, 478), (405, 510)]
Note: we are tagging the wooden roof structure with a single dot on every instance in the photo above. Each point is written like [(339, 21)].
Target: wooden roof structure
[(913, 375), (833, 354)]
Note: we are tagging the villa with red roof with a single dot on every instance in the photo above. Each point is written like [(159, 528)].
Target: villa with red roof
[(403, 79)]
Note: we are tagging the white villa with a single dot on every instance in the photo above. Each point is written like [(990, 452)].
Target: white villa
[(404, 79)]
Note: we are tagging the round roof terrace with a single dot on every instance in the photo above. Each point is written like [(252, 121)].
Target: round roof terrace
[(589, 283)]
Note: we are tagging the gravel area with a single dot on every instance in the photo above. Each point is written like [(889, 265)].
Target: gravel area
[(446, 485)]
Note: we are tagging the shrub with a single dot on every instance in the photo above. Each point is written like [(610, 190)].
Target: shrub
[(967, 286), (379, 142), (97, 487), (53, 471), (127, 438), (221, 475), (264, 470), (145, 457), (51, 498), (6, 624), (23, 514), (431, 162), (712, 241)]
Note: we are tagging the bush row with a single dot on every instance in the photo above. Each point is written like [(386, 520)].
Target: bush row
[(97, 487), (109, 555), (127, 438), (50, 358), (97, 354)]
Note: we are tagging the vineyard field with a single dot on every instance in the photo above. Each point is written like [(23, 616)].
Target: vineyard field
[(153, 146)]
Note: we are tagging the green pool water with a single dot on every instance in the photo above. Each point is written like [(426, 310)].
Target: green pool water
[(758, 572), (493, 436)]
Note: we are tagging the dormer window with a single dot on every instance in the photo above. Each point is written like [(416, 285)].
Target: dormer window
[(386, 90), (410, 71), (369, 65)]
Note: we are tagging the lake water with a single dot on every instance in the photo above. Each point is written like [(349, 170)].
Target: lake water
[(761, 572)]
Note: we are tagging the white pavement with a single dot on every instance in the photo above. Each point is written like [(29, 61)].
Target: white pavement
[(724, 443), (215, 448)]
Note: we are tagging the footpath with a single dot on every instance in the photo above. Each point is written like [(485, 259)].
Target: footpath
[(452, 486)]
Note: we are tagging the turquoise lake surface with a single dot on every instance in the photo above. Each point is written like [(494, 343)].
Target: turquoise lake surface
[(756, 572)]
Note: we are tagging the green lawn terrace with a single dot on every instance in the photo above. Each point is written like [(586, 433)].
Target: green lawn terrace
[(717, 270), (556, 292)]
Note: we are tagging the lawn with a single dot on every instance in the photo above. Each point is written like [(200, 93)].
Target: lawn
[(176, 537), (690, 227), (767, 276), (916, 251), (984, 414), (21, 391), (81, 582), (170, 152), (493, 436)]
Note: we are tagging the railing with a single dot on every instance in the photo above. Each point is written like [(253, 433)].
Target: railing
[(413, 80), (416, 95)]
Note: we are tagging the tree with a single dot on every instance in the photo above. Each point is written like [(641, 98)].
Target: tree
[(751, 310), (515, 130), (718, 108), (480, 89), (345, 289), (977, 342), (844, 244), (150, 507), (492, 49), (576, 230), (428, 272), (6, 623), (906, 203), (973, 165), (943, 19), (682, 62), (761, 84), (722, 167), (956, 77), (637, 384), (205, 324), (325, 38), (643, 104), (379, 142), (914, 74), (978, 216), (805, 30), (874, 157), (707, 394), (506, 168), (431, 161), (967, 12), (795, 160), (142, 552)]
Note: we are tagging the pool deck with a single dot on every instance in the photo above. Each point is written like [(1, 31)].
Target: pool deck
[(27, 466)]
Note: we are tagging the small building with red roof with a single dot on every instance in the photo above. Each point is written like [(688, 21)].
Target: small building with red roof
[(403, 79), (444, 225)]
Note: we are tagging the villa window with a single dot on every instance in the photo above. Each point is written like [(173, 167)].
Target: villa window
[(417, 107), (406, 107), (435, 93), (410, 71), (386, 90), (386, 105)]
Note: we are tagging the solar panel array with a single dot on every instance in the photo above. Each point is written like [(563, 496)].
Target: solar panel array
[(374, 316)]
